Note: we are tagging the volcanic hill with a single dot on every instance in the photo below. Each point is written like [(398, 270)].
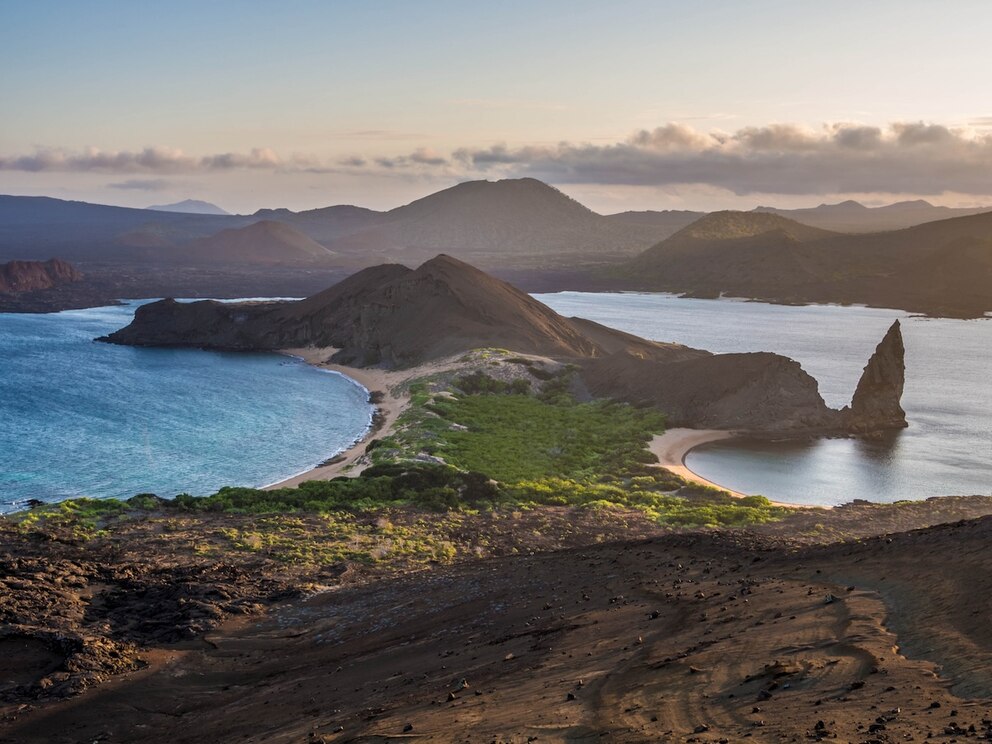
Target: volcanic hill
[(941, 268), (265, 242), (189, 206)]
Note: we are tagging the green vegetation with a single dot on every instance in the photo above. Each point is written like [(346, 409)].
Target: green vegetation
[(521, 437), (707, 506), (545, 448), (83, 518), (427, 486), (469, 443)]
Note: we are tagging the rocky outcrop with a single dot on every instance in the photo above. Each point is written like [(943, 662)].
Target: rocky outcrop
[(877, 401), (29, 276), (753, 392)]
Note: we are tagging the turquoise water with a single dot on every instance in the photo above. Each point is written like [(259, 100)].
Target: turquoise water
[(946, 450), (79, 418)]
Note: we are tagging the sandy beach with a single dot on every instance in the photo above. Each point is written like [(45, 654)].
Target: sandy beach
[(388, 410), (671, 448)]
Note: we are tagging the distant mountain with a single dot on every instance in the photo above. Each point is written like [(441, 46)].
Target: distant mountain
[(660, 224), (730, 225), (851, 216), (755, 248), (508, 218), (513, 225), (523, 221), (33, 227), (942, 267), (189, 206), (265, 242), (325, 224), (30, 276)]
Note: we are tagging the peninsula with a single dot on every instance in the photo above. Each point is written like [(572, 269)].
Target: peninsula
[(393, 317)]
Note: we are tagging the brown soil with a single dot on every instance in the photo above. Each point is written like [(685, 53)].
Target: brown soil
[(712, 636)]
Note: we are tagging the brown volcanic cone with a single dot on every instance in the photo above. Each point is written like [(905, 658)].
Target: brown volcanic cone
[(387, 315), (443, 307)]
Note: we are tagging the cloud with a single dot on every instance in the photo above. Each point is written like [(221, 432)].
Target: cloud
[(422, 156), (142, 184), (148, 160), (915, 158), (903, 158)]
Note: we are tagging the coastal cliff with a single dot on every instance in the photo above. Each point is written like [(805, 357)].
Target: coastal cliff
[(29, 276), (393, 317)]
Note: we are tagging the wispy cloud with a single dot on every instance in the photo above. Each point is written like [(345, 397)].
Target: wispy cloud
[(148, 160)]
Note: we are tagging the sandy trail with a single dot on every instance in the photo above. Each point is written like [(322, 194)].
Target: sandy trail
[(394, 401)]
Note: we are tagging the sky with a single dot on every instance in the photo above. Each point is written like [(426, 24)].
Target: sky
[(623, 105)]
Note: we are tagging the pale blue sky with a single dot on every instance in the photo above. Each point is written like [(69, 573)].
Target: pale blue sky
[(367, 102)]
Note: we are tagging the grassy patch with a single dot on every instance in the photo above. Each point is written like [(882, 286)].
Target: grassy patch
[(82, 518), (521, 437)]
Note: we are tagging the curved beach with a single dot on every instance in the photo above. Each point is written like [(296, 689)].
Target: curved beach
[(672, 447), (388, 409)]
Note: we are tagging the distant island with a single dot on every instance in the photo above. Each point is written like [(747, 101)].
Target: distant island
[(941, 268), (17, 277), (189, 206)]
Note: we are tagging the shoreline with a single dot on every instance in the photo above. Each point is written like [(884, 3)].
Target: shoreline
[(672, 447), (388, 407), (384, 415)]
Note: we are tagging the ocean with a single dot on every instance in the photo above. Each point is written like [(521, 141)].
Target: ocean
[(80, 418), (947, 449)]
